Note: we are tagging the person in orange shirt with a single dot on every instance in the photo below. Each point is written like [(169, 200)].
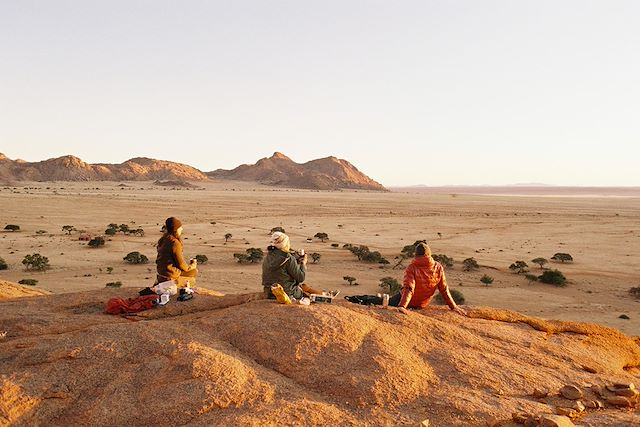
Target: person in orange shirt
[(421, 279)]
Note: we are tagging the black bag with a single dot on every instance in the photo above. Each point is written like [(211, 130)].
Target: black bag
[(364, 299)]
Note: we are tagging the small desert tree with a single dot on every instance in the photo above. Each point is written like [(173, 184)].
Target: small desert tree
[(124, 228), (315, 257), (635, 292), (349, 279), (553, 277), (322, 236), (36, 262), (562, 257), (109, 270), (444, 260), (12, 227), (227, 237), (519, 267), (137, 232), (274, 229), (136, 258), (487, 280), (113, 284), (202, 259), (96, 242), (391, 284), (540, 261), (531, 277), (111, 231), (470, 264), (28, 282), (3, 264), (68, 229)]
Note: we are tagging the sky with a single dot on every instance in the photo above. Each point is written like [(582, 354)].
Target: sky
[(450, 92)]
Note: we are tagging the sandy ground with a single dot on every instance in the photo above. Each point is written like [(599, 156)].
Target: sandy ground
[(601, 233)]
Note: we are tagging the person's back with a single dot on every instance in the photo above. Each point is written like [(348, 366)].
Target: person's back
[(281, 267), (427, 275)]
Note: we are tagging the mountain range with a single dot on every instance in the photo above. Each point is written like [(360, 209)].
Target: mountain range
[(329, 173)]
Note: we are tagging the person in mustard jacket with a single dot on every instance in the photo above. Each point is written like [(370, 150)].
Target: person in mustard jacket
[(170, 263)]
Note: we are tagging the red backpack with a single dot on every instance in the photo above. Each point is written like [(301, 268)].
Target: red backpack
[(131, 305)]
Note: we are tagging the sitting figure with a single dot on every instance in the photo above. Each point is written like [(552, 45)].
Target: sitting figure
[(421, 279), (281, 266), (170, 262)]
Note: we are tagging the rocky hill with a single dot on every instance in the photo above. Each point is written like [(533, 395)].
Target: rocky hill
[(329, 173), (70, 168), (238, 360)]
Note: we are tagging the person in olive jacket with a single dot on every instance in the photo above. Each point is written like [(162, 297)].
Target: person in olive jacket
[(170, 263), (281, 266)]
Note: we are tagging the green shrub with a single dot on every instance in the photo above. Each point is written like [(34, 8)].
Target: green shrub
[(444, 260), (562, 257), (487, 280), (315, 257), (96, 242), (349, 279), (455, 294), (12, 227), (540, 261), (111, 231), (28, 282), (3, 264), (251, 256), (68, 229), (470, 264), (519, 267), (113, 284), (274, 229), (36, 262), (335, 245), (531, 277), (553, 277), (202, 259), (136, 258), (391, 284), (322, 236), (635, 292)]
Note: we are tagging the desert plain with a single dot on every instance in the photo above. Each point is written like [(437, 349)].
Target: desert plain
[(600, 231)]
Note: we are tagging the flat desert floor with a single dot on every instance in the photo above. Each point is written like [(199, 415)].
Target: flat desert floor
[(601, 233)]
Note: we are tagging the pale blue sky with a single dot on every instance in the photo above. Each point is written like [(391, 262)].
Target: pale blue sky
[(411, 92)]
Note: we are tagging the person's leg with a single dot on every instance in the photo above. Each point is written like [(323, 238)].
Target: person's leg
[(187, 276), (190, 273), (309, 290), (394, 300)]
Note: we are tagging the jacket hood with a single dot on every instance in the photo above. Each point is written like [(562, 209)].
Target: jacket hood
[(275, 258), (424, 261)]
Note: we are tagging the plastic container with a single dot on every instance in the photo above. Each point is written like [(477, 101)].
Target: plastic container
[(385, 300)]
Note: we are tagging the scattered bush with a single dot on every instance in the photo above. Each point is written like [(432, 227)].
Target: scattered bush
[(335, 245), (28, 282), (202, 259), (136, 258), (455, 294), (110, 231), (409, 251), (349, 279), (519, 267), (540, 261), (113, 284), (487, 280), (274, 229), (562, 257), (315, 257), (444, 260), (109, 270), (137, 232), (68, 229), (364, 254), (635, 292), (124, 228), (41, 231), (322, 236), (531, 277), (391, 284), (470, 264), (252, 255), (624, 316), (36, 262), (227, 237), (3, 264), (12, 227), (553, 277), (96, 242)]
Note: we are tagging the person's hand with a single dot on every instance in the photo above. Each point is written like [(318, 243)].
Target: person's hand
[(304, 259), (194, 263), (403, 310), (460, 311)]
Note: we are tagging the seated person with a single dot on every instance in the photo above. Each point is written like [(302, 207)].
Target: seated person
[(170, 263), (281, 266), (421, 279)]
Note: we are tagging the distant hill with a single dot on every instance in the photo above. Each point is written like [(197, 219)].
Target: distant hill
[(329, 173), (71, 168)]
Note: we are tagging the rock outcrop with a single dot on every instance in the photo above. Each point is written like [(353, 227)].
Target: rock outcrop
[(329, 173), (239, 360), (71, 168)]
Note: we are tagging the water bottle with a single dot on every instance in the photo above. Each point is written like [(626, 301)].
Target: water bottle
[(385, 300)]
